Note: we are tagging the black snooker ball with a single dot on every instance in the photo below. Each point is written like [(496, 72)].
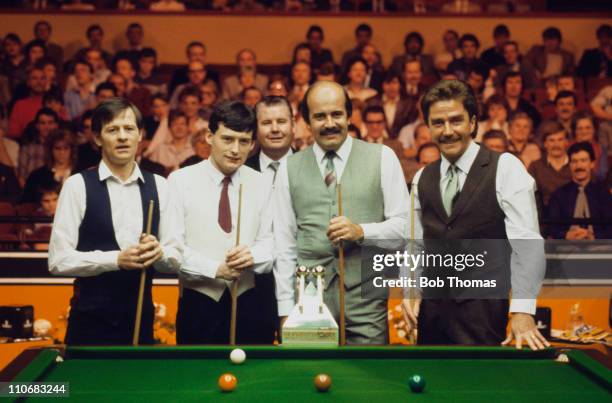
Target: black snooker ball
[(416, 383)]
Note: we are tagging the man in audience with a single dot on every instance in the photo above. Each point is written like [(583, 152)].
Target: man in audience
[(147, 73), (195, 51), (197, 74), (42, 32), (88, 152), (552, 170), (83, 96), (494, 56), (399, 110), (597, 62), (135, 93), (32, 153), (232, 87), (413, 74), (25, 109), (514, 62), (319, 54), (513, 91), (95, 37), (177, 147), (461, 68), (450, 52), (565, 108), (581, 198), (300, 78), (363, 36), (495, 140), (427, 153), (413, 46), (549, 59), (134, 35)]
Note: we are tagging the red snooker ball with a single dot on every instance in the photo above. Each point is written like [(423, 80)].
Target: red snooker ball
[(322, 382), (227, 382)]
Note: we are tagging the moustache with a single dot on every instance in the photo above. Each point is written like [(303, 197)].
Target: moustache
[(446, 140), (332, 130)]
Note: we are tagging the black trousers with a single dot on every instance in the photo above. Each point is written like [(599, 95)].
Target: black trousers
[(202, 320), (467, 322)]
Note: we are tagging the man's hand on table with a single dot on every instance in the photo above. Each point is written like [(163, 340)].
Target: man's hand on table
[(524, 330)]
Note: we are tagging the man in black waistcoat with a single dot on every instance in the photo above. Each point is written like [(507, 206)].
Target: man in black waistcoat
[(99, 235), (474, 193)]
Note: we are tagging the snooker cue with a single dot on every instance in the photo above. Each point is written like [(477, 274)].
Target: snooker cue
[(234, 289), (143, 274), (341, 274), (412, 334)]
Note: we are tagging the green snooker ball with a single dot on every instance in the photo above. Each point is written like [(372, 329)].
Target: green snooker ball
[(416, 383)]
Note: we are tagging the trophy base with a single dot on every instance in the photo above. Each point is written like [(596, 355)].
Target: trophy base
[(320, 337)]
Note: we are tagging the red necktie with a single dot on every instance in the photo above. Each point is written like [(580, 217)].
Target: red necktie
[(225, 214)]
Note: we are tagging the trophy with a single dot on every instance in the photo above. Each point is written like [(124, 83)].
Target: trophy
[(310, 322)]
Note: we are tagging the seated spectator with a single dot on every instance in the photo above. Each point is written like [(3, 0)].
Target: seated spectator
[(355, 80), (478, 79), (120, 84), (48, 67), (106, 91), (55, 101), (278, 87), (159, 112), (100, 71), (251, 96), (83, 97), (25, 110), (552, 170), (496, 112), (354, 132), (177, 147), (426, 154), (88, 152), (549, 59), (399, 110), (246, 60), (584, 129), (195, 51), (327, 73), (301, 53), (42, 32), (60, 153), (375, 71), (197, 75), (450, 53), (602, 109), (413, 74), (515, 63), (34, 51), (513, 93), (299, 82), (461, 7), (147, 73), (135, 93), (210, 96), (413, 47), (469, 45), (10, 191), (583, 197), (32, 152), (14, 62), (363, 36), (597, 62), (422, 135), (495, 140), (565, 108), (95, 38), (406, 134), (200, 147), (520, 139), (9, 150), (167, 5), (134, 34), (40, 233), (319, 54), (494, 56)]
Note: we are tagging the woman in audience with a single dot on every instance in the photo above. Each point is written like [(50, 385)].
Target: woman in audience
[(521, 141), (356, 73), (60, 162), (584, 128), (210, 96), (497, 113)]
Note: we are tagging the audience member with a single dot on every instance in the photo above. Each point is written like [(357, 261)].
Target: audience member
[(147, 75), (319, 54), (375, 70), (195, 50), (363, 36), (495, 140), (25, 109), (95, 37), (177, 147), (14, 62), (494, 56), (210, 97), (83, 97), (496, 113), (32, 152), (597, 62), (565, 109), (515, 63), (451, 51), (584, 129), (201, 148), (355, 80), (513, 92), (42, 32), (413, 48), (469, 45), (246, 60), (520, 139), (399, 110), (197, 74), (549, 59), (89, 152)]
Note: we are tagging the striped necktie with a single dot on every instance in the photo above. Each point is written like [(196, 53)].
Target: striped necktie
[(330, 170)]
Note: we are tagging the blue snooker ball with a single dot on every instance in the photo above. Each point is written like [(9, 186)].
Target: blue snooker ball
[(416, 383)]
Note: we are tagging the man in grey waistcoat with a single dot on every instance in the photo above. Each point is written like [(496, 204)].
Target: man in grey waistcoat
[(308, 227)]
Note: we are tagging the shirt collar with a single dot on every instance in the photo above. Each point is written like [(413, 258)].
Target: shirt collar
[(216, 175), (104, 172), (342, 153), (264, 160), (464, 163), (387, 100)]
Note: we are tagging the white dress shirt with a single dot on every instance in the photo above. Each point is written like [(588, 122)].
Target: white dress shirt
[(127, 216), (208, 179), (266, 169), (390, 107), (395, 195), (515, 189)]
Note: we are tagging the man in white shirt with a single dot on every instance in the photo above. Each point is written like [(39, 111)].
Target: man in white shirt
[(275, 131), (208, 199), (307, 226), (473, 193), (99, 235)]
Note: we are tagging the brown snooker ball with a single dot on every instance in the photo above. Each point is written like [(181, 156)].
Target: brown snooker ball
[(322, 382), (227, 382)]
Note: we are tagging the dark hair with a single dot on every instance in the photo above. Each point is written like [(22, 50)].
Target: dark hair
[(188, 91), (392, 75), (582, 116), (133, 25), (305, 111), (315, 28), (234, 115), (363, 27), (109, 109), (193, 44), (147, 52), (52, 95), (481, 71), (446, 90), (511, 74), (550, 127), (552, 33), (495, 134), (247, 89), (158, 96), (42, 22), (425, 146), (353, 128), (35, 43), (373, 109), (44, 61), (47, 112), (416, 36), (88, 114), (83, 62), (566, 94), (327, 68), (123, 56), (55, 137), (11, 36), (500, 30), (582, 146), (175, 114), (350, 65), (297, 48), (604, 30), (94, 27), (452, 32), (496, 99), (272, 100), (106, 86), (469, 37)]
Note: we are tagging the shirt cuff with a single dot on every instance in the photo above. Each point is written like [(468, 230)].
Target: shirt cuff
[(285, 307), (367, 231), (523, 306), (108, 260)]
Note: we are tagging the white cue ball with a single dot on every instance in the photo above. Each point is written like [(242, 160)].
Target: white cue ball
[(237, 356)]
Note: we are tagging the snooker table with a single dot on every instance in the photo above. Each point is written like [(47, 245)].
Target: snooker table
[(285, 374)]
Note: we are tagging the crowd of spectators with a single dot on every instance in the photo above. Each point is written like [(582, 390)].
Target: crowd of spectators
[(553, 113)]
